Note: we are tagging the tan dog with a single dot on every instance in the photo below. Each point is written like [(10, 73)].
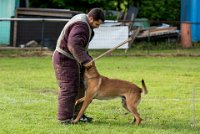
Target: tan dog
[(100, 87)]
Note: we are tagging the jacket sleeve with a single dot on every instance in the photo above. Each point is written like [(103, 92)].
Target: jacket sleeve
[(77, 42)]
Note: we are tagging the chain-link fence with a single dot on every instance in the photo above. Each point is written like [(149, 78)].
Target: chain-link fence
[(44, 32)]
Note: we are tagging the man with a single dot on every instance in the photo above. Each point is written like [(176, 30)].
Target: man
[(69, 60)]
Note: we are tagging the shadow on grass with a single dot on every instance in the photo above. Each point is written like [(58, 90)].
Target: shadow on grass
[(113, 123), (47, 91), (175, 127)]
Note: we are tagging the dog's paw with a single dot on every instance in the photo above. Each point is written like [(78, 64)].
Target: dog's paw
[(74, 122), (138, 122), (133, 121)]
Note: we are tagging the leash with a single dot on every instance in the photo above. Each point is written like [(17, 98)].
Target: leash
[(122, 43)]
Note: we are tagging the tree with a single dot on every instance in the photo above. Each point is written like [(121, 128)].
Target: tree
[(151, 9), (160, 9)]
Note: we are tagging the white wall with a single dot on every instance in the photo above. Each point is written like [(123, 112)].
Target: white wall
[(107, 37)]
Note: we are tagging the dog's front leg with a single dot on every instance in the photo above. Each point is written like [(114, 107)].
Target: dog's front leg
[(87, 100), (80, 100)]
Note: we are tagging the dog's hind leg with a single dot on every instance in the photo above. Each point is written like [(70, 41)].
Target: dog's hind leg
[(132, 103), (124, 103)]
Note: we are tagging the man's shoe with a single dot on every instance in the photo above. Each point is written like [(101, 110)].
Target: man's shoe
[(85, 119)]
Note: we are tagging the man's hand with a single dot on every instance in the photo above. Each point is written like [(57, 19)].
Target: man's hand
[(89, 64)]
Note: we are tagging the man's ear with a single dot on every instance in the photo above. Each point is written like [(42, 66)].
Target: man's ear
[(90, 19)]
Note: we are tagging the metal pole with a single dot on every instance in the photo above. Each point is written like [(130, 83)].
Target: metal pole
[(27, 3), (42, 35), (148, 41)]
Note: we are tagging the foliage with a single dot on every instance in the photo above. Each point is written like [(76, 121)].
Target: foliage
[(160, 10), (151, 9), (47, 4)]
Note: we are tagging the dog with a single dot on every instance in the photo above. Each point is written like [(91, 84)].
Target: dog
[(103, 88)]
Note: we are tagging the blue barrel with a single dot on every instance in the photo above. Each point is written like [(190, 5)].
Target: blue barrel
[(190, 13)]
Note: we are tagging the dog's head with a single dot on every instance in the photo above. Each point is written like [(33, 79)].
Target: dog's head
[(91, 72)]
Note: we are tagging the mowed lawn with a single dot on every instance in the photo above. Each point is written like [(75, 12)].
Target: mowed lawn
[(28, 97)]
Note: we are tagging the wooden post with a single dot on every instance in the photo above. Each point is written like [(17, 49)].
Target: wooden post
[(186, 40)]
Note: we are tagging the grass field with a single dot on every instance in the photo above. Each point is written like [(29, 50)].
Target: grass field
[(28, 97)]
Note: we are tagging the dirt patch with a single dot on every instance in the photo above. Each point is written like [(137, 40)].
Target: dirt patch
[(24, 52), (40, 52), (156, 55)]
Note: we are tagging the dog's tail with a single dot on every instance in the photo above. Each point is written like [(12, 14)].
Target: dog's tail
[(144, 88)]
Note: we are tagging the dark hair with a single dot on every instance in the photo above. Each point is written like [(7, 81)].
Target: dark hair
[(97, 14)]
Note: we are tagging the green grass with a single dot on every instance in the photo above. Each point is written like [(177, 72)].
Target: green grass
[(28, 97), (161, 49)]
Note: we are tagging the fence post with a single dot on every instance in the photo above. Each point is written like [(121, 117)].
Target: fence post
[(42, 34), (186, 40)]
